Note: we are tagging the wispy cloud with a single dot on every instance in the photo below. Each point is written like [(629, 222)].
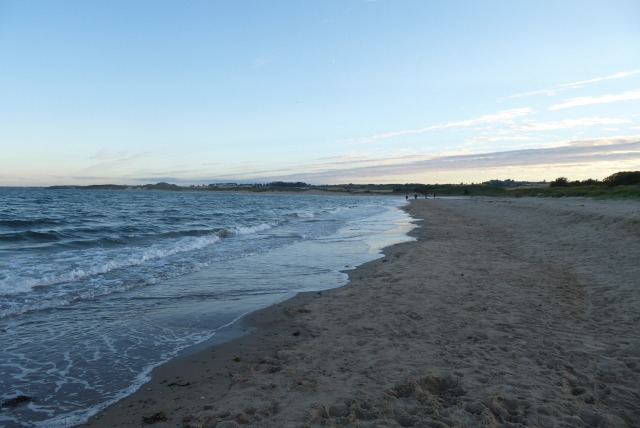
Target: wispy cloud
[(570, 123), (105, 155), (574, 85), (583, 101), (265, 59), (562, 155), (110, 162), (505, 116), (501, 138)]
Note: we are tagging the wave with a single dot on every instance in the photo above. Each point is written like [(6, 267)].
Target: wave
[(186, 233), (31, 236), (94, 262), (190, 240), (19, 224), (53, 302), (132, 237), (17, 285)]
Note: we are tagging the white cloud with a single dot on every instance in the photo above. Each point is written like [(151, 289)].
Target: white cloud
[(570, 123), (582, 101)]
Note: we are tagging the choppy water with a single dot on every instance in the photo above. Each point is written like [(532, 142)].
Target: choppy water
[(99, 287)]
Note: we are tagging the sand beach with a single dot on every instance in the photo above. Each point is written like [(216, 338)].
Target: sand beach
[(502, 313)]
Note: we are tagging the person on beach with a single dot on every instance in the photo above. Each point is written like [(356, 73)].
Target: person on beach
[(415, 196)]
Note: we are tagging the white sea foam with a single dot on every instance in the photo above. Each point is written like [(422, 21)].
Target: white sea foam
[(305, 214), (248, 230), (12, 285)]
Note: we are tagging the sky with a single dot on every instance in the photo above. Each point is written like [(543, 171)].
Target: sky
[(320, 91)]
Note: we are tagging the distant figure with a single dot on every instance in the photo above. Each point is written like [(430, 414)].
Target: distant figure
[(415, 196), (407, 197), (434, 196)]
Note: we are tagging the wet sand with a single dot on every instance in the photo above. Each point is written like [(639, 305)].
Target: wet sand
[(504, 312)]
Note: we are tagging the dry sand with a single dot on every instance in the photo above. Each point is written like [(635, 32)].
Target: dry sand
[(504, 312)]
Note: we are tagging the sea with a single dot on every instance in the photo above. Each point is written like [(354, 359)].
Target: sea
[(98, 287)]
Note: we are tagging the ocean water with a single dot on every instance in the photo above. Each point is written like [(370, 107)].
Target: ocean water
[(98, 287)]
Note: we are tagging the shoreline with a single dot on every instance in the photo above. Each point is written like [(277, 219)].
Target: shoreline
[(249, 338), (504, 311)]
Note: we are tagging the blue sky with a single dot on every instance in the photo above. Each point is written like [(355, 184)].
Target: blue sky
[(321, 91)]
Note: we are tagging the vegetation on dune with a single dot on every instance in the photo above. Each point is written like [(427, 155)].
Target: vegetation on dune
[(461, 190), (599, 191), (621, 185), (623, 178)]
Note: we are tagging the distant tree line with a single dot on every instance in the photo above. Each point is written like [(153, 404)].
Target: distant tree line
[(620, 184), (287, 184)]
